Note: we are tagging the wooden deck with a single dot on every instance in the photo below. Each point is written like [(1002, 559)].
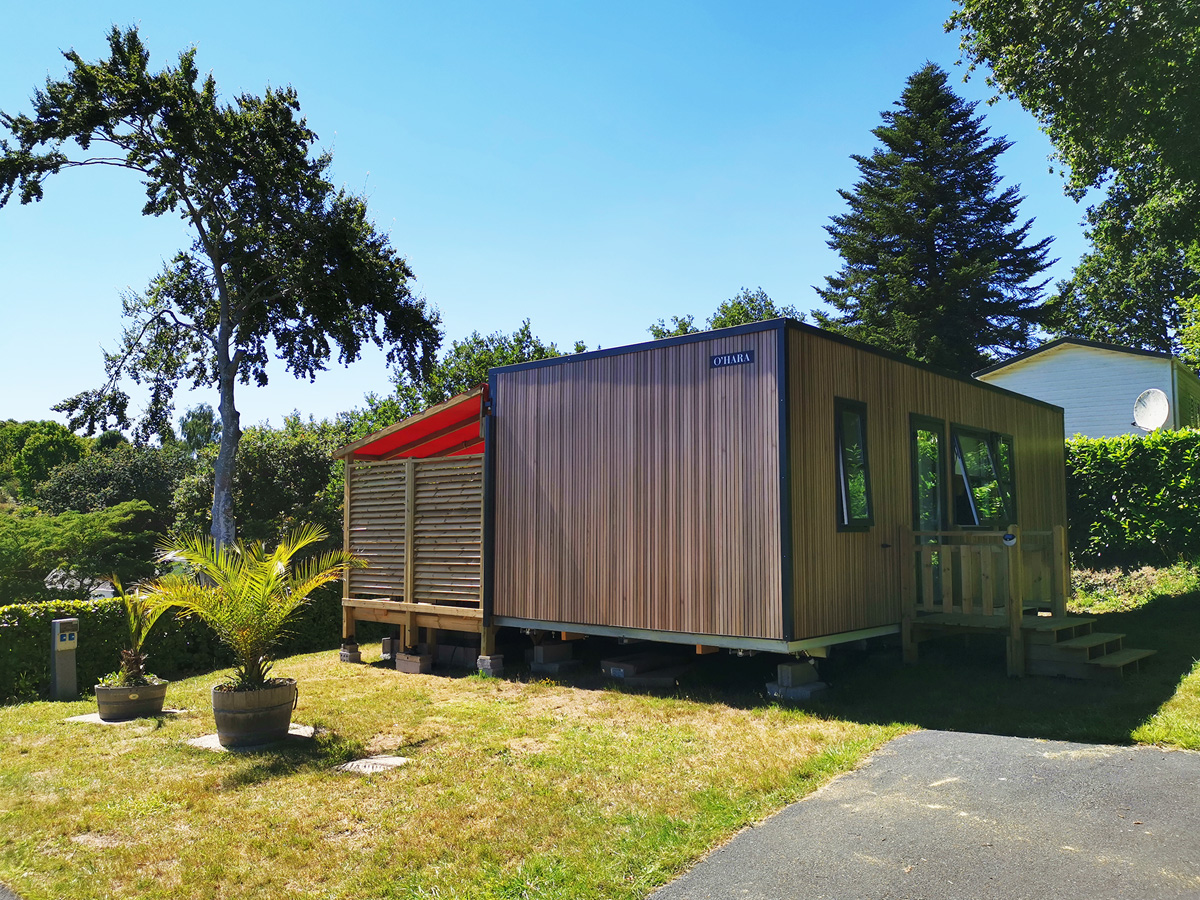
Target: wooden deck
[(1010, 583)]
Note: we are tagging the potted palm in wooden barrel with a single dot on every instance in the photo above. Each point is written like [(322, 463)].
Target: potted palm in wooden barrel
[(131, 692), (248, 596)]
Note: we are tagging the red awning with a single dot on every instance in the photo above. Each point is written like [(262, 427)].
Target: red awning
[(452, 428)]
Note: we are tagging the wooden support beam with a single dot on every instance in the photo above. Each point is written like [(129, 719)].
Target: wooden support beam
[(910, 562), (1016, 605), (410, 514), (1062, 572), (705, 649), (487, 640)]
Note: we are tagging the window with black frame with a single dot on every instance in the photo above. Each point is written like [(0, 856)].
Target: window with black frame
[(853, 474), (983, 478)]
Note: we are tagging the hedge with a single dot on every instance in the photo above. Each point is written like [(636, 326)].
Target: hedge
[(175, 646), (1134, 500)]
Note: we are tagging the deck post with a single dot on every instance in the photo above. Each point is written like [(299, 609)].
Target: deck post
[(487, 640), (908, 594), (349, 652), (1061, 581), (1016, 605), (410, 513)]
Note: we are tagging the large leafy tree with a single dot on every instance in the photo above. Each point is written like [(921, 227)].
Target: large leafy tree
[(464, 365), (104, 479), (1113, 84), (741, 309), (935, 266), (280, 257)]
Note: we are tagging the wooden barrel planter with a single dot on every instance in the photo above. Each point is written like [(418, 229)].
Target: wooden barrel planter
[(118, 704), (250, 718)]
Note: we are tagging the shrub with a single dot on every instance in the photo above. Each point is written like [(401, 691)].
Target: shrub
[(1134, 500), (105, 479), (85, 547), (177, 646)]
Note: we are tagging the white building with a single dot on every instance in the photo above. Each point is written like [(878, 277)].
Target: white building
[(1097, 384)]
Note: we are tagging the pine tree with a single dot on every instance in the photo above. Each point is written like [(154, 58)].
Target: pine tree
[(934, 268)]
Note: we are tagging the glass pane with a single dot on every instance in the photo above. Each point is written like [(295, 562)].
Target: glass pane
[(976, 464), (928, 475), (854, 467), (1004, 458)]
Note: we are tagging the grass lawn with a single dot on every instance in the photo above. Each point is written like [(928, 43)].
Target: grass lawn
[(516, 789), (528, 789)]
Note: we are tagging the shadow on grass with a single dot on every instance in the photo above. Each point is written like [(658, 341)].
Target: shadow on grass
[(320, 753), (960, 683)]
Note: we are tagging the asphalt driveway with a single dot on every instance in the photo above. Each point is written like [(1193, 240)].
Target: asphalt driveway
[(938, 815)]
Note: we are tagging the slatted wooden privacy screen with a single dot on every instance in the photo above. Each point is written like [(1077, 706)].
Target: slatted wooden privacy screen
[(419, 524)]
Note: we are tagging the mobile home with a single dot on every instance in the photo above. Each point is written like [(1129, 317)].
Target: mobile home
[(769, 487)]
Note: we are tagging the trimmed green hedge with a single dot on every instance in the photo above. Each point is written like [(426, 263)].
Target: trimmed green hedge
[(1134, 500), (175, 646)]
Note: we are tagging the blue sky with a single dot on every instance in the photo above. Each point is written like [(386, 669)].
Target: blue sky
[(590, 167)]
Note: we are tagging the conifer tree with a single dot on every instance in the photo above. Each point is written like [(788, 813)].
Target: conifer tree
[(933, 266)]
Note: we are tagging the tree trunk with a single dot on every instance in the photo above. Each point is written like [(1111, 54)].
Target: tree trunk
[(224, 528)]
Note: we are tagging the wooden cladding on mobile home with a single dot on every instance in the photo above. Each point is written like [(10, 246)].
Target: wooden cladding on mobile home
[(755, 487), (652, 487), (847, 580), (641, 489)]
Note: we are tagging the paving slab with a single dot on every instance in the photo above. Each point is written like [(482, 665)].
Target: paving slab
[(213, 743), (94, 719), (947, 816)]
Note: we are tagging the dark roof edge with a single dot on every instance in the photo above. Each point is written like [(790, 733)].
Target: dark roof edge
[(766, 325), (1083, 342), (751, 328)]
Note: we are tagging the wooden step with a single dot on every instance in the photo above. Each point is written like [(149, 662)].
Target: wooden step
[(969, 621), (1121, 658), (1088, 641), (1092, 646), (1055, 629)]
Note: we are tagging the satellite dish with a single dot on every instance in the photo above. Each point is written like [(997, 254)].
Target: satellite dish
[(1150, 409)]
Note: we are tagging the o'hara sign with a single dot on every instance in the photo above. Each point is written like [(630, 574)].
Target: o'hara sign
[(723, 360)]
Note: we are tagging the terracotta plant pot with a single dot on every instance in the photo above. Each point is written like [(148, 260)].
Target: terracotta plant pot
[(250, 718), (117, 704)]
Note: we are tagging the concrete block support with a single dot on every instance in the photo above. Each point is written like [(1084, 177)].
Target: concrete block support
[(799, 692), (796, 674), (552, 651), (492, 664), (350, 653), (413, 663)]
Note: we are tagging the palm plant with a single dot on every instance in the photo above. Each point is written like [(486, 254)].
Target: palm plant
[(245, 594), (140, 615)]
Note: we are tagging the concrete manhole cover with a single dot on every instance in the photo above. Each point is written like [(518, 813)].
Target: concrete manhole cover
[(373, 765)]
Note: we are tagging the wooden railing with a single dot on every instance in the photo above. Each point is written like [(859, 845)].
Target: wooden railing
[(984, 579)]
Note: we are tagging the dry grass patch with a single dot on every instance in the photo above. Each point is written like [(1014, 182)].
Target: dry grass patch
[(515, 789)]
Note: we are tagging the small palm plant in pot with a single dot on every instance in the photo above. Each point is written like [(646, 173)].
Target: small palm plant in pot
[(248, 596), (131, 692)]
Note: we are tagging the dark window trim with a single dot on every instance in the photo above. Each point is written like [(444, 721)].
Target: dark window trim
[(844, 523), (991, 440), (929, 423)]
